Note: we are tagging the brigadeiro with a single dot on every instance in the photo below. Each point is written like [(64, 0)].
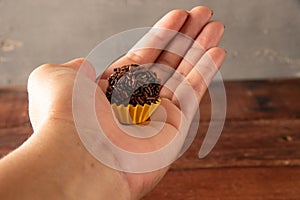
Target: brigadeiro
[(133, 91)]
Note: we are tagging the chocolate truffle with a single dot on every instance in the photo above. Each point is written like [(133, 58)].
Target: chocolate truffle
[(133, 84)]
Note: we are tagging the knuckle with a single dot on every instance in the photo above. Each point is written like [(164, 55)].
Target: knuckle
[(39, 71), (134, 57)]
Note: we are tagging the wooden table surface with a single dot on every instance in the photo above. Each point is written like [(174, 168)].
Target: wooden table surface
[(256, 157)]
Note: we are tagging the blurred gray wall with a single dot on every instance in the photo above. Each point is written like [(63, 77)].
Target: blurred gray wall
[(262, 37)]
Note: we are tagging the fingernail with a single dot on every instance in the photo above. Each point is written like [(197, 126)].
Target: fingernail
[(212, 12)]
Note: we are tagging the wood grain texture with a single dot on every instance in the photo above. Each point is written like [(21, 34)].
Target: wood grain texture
[(14, 107), (256, 157), (11, 138), (248, 143), (265, 99), (246, 100), (229, 184)]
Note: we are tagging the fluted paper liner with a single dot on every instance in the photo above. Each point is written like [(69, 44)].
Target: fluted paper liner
[(134, 114)]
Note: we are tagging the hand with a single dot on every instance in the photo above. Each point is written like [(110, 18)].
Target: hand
[(68, 164), (197, 65)]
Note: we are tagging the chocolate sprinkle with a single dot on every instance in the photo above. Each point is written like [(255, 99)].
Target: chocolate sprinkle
[(133, 84)]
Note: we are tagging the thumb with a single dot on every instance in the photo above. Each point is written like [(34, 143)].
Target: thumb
[(50, 88), (83, 66)]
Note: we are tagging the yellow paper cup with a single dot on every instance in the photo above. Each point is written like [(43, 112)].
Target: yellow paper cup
[(134, 114)]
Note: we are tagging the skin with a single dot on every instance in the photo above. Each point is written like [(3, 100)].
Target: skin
[(54, 164)]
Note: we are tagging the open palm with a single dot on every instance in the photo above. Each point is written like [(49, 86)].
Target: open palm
[(189, 71), (185, 62)]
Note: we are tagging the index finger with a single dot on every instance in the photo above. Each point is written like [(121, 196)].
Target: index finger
[(159, 36)]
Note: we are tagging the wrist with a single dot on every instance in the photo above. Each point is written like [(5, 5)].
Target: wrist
[(53, 164), (83, 177)]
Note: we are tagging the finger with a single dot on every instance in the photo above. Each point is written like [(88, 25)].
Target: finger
[(74, 64), (50, 84), (159, 36), (82, 66), (103, 84), (201, 75), (198, 18), (208, 38), (46, 84)]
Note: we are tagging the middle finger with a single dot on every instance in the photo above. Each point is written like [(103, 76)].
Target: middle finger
[(198, 18)]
